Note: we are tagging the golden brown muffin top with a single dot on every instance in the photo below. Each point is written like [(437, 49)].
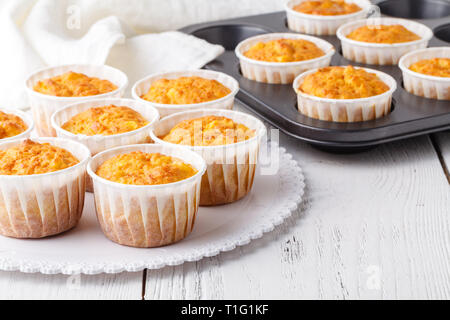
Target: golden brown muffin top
[(72, 84), (106, 121), (343, 83), (438, 67), (185, 90), (327, 7), (383, 34), (139, 168), (29, 158), (11, 125), (284, 50), (209, 131)]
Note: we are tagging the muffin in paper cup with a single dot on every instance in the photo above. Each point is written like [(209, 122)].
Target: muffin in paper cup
[(280, 72), (227, 102), (421, 84), (325, 25), (147, 216), (42, 205), (381, 53), (26, 118), (43, 106), (346, 110), (230, 168)]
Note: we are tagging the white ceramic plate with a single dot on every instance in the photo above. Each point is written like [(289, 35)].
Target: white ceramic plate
[(86, 250)]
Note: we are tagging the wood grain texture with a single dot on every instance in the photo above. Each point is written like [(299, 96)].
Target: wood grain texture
[(373, 225), (16, 285), (442, 141)]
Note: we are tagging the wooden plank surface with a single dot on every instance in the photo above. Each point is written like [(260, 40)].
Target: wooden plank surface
[(373, 225), (16, 285), (442, 141)]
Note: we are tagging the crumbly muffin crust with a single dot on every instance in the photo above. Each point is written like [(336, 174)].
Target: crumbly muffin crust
[(327, 7), (11, 125), (388, 34), (438, 67)]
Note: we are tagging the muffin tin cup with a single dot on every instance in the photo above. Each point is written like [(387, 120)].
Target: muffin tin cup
[(381, 53), (346, 110), (230, 168), (324, 25), (227, 102), (147, 216), (424, 85), (280, 72), (38, 206), (26, 118), (43, 106)]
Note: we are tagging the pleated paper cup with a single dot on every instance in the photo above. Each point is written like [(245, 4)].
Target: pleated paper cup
[(43, 106), (421, 84), (26, 118), (147, 216), (346, 110), (381, 53), (42, 205), (325, 25), (227, 102), (230, 168), (280, 72)]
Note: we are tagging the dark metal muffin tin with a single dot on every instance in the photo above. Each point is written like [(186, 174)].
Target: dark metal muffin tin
[(411, 115)]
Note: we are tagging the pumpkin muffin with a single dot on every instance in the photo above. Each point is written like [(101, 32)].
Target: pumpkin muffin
[(208, 131), (106, 121), (31, 158), (185, 90), (388, 34), (284, 50), (327, 7), (139, 168), (42, 187), (437, 67), (343, 83), (72, 84), (11, 125)]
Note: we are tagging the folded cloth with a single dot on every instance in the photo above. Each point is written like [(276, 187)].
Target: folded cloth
[(40, 33)]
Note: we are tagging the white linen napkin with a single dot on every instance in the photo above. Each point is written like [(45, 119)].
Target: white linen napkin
[(40, 33)]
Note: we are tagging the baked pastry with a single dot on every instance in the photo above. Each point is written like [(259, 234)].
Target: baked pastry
[(146, 195), (147, 169), (426, 72), (383, 34), (382, 41), (344, 94), (229, 143), (327, 7), (106, 121), (43, 187), (436, 67), (343, 83), (208, 131), (284, 50), (72, 84), (185, 90), (11, 125)]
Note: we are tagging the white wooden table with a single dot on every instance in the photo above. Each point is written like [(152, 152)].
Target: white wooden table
[(373, 225)]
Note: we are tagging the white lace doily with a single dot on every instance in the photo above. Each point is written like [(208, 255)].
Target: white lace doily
[(85, 249)]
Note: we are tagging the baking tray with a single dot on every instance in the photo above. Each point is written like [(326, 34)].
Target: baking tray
[(411, 115)]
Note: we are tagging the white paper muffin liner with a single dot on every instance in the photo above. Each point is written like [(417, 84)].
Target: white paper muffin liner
[(147, 216), (43, 106), (421, 84), (381, 53), (280, 72), (227, 102), (42, 205), (231, 168), (101, 143), (324, 25), (26, 118), (346, 110)]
